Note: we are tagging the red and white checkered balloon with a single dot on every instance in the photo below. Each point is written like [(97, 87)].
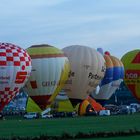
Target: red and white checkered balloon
[(15, 68)]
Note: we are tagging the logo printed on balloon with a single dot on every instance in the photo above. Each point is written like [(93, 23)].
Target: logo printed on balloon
[(132, 74), (94, 76), (20, 77), (103, 69), (49, 83), (71, 74), (4, 80), (33, 84), (87, 66)]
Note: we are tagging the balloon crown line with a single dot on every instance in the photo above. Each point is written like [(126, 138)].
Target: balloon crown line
[(47, 45)]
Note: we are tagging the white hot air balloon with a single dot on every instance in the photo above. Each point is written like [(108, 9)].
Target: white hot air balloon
[(87, 68)]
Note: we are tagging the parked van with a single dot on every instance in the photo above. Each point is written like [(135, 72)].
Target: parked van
[(135, 105), (47, 116), (104, 113), (31, 115)]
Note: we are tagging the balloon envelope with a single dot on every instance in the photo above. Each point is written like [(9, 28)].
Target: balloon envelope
[(87, 68), (85, 108), (50, 70), (15, 68), (112, 79), (131, 61)]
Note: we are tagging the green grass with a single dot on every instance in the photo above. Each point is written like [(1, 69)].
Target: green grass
[(56, 127), (116, 138)]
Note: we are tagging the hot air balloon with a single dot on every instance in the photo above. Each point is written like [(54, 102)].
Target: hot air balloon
[(15, 69), (112, 79), (50, 70), (62, 103), (131, 61), (85, 108), (87, 68)]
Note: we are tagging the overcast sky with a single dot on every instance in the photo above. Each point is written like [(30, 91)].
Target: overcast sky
[(113, 25)]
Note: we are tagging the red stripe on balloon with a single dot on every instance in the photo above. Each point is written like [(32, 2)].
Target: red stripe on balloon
[(46, 56), (132, 88), (16, 63), (2, 53), (33, 84), (42, 101), (136, 59), (3, 63), (10, 58)]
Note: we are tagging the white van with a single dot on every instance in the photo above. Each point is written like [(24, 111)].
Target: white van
[(47, 116), (104, 113), (31, 115), (135, 105), (46, 113)]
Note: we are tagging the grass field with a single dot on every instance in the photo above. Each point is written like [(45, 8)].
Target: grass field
[(117, 138), (13, 126)]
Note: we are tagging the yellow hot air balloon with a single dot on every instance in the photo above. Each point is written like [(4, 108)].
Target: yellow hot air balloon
[(87, 68), (131, 61), (50, 70)]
